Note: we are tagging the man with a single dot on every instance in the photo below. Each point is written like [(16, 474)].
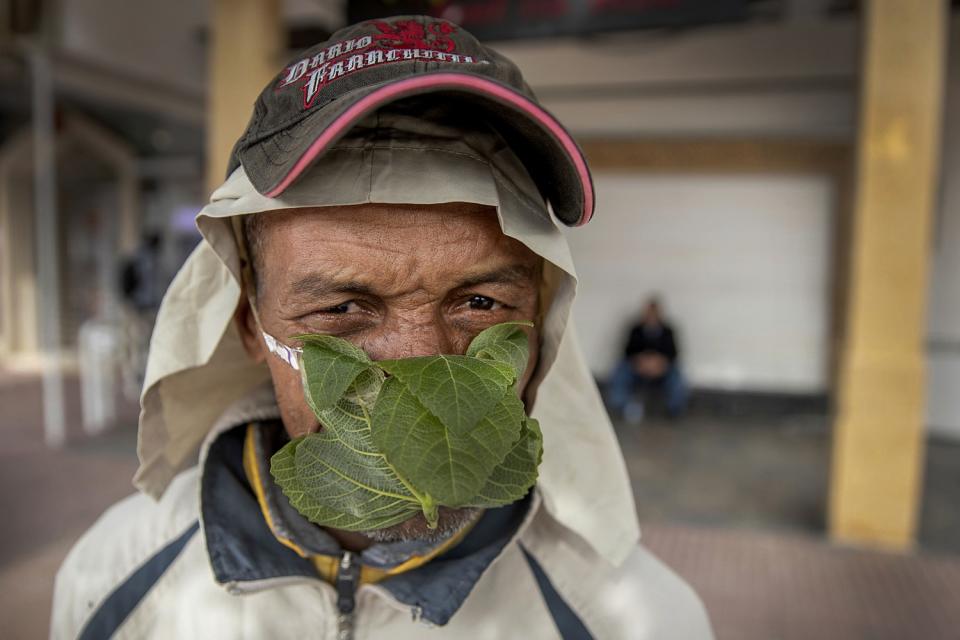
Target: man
[(650, 359), (390, 190)]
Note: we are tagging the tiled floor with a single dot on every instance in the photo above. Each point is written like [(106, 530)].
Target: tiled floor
[(736, 505), (733, 504), (784, 586), (765, 472), (49, 498)]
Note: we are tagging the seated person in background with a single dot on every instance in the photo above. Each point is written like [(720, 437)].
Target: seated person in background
[(650, 358)]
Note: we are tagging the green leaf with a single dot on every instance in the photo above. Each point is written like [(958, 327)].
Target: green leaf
[(457, 390), (506, 342), (364, 510), (328, 367), (337, 477), (446, 465), (349, 480), (513, 477)]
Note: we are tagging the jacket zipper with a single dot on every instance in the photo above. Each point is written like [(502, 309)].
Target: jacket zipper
[(348, 576)]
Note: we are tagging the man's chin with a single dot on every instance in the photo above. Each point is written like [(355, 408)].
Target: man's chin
[(449, 522)]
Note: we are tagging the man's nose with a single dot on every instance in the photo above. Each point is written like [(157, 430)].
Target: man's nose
[(409, 339)]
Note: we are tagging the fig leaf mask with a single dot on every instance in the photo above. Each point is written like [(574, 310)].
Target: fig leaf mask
[(404, 436)]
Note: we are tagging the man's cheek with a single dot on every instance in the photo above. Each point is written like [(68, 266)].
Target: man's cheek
[(298, 418)]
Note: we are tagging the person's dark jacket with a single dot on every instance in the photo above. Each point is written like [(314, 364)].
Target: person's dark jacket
[(656, 339)]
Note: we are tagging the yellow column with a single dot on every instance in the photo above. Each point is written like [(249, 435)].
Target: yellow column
[(879, 432), (247, 45)]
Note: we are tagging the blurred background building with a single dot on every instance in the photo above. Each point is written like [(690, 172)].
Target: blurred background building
[(784, 174)]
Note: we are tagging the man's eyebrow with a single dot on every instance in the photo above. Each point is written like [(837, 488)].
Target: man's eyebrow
[(317, 285), (514, 274)]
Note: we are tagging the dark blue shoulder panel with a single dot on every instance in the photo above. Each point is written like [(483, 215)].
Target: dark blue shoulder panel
[(125, 598), (571, 627)]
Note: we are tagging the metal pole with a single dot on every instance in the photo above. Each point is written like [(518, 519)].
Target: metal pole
[(47, 251)]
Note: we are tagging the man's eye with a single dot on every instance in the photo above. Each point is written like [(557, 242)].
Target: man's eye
[(342, 308), (481, 303)]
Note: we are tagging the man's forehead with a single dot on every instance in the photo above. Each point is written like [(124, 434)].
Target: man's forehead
[(324, 250), (385, 216), (319, 283)]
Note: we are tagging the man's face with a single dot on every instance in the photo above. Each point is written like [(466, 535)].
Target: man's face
[(396, 280)]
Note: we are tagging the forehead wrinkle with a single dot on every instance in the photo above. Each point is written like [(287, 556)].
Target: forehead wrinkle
[(360, 278), (386, 240), (319, 284), (403, 254), (514, 274)]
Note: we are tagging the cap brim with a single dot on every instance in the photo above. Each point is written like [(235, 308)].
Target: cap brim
[(547, 150)]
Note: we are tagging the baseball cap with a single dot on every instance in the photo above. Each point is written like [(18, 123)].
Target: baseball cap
[(317, 98)]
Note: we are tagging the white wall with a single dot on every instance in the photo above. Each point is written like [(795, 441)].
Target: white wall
[(742, 263), (943, 392)]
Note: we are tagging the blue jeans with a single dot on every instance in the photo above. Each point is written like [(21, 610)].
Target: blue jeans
[(624, 380)]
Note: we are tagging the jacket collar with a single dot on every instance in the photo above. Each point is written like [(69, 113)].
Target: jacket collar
[(246, 556)]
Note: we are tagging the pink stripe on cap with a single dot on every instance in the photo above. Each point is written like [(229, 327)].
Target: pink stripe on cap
[(437, 80)]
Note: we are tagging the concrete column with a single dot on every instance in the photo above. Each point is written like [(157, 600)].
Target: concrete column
[(879, 432), (20, 288), (7, 281), (247, 42), (47, 246)]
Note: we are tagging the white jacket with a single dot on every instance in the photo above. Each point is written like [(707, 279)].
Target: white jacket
[(202, 563)]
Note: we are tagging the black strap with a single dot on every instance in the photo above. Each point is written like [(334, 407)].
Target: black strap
[(125, 598), (570, 625)]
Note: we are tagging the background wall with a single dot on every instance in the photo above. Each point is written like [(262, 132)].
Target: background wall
[(785, 79), (159, 41), (741, 262), (943, 347), (794, 80)]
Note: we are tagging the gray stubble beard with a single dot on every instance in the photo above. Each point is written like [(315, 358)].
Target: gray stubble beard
[(449, 522)]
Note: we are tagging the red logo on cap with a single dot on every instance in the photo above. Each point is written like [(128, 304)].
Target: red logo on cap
[(408, 34), (399, 41)]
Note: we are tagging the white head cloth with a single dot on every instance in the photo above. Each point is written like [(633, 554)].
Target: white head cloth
[(197, 366)]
